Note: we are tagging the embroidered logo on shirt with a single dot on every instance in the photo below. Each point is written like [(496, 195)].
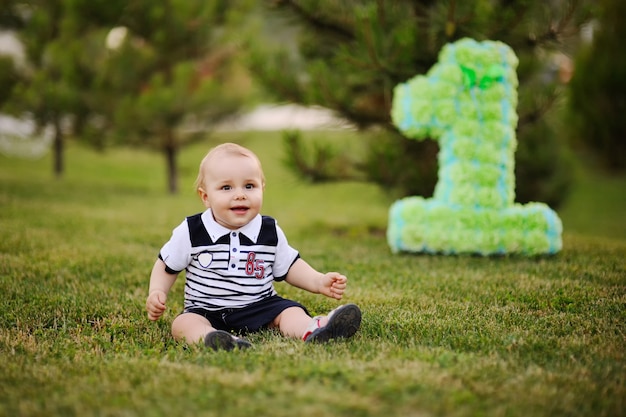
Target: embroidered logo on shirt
[(255, 266), (205, 259)]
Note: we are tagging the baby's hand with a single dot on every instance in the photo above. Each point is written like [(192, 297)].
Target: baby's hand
[(334, 284), (155, 304)]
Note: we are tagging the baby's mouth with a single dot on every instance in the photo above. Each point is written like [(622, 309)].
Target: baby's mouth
[(240, 209)]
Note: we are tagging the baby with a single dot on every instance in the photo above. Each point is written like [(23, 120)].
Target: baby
[(232, 254)]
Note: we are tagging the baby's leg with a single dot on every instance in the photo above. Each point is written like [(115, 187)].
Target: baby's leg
[(292, 322), (342, 322), (191, 327)]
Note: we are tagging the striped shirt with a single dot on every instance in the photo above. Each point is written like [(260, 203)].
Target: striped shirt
[(228, 268)]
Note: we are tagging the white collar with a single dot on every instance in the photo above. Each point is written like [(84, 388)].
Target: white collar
[(251, 230)]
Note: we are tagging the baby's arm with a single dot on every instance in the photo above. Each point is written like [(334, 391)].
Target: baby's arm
[(330, 284), (160, 284)]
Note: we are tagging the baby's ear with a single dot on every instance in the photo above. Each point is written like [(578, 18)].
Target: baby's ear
[(204, 197)]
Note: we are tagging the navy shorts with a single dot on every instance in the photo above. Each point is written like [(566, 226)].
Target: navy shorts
[(247, 319)]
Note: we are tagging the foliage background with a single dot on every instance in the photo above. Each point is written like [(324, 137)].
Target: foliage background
[(348, 56), (598, 93)]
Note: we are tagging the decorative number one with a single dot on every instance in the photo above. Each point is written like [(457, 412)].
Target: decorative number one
[(467, 101)]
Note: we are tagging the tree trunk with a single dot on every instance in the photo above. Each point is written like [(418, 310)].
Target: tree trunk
[(59, 148), (170, 158)]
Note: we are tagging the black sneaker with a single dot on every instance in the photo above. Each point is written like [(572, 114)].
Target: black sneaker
[(221, 340), (343, 322)]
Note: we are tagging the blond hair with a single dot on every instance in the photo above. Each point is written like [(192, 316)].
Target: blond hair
[(226, 149)]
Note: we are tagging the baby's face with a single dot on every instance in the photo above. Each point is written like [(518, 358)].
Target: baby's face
[(232, 189)]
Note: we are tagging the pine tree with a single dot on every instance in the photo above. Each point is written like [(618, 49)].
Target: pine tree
[(167, 72), (598, 90), (55, 86), (171, 70), (352, 53)]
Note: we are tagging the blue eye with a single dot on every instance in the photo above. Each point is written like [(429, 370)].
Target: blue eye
[(226, 187), (249, 186)]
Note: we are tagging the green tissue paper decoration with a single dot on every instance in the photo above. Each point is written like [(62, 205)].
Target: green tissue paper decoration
[(467, 101)]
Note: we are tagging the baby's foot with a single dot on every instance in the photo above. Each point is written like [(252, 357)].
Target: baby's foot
[(219, 339), (343, 322)]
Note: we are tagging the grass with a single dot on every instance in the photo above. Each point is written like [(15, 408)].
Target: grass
[(441, 336)]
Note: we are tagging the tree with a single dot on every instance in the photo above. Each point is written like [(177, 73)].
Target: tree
[(351, 54), (169, 71), (598, 90), (9, 77), (56, 83)]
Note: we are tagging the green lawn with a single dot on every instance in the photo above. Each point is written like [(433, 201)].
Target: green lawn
[(441, 336)]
